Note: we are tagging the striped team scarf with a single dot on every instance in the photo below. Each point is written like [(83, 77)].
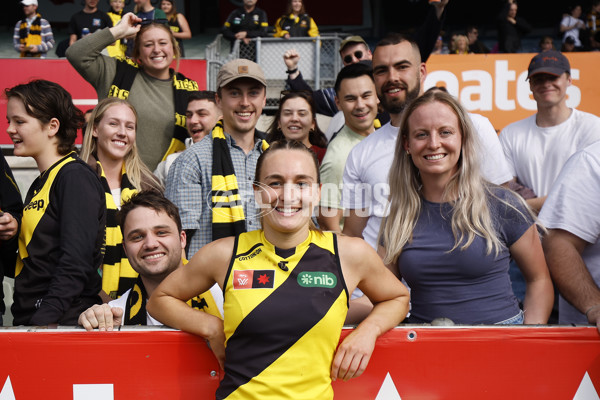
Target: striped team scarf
[(31, 37), (135, 307), (126, 72), (227, 206), (117, 274)]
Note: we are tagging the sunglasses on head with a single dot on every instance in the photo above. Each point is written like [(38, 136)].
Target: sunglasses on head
[(151, 21), (304, 93), (348, 58)]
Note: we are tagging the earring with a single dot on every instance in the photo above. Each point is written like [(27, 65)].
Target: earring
[(408, 152)]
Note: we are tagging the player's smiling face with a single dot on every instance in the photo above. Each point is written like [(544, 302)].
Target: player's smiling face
[(287, 190)]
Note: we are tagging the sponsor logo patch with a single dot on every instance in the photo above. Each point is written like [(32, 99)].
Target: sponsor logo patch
[(250, 254), (35, 205), (254, 279), (317, 279)]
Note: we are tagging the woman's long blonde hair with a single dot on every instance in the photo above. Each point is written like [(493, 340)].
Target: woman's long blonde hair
[(137, 171), (467, 191)]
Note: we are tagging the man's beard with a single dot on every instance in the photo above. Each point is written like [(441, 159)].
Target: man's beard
[(397, 106)]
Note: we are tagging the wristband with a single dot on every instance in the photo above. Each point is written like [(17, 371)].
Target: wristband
[(590, 309), (292, 71)]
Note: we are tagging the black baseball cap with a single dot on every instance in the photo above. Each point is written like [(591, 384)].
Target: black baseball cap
[(549, 62)]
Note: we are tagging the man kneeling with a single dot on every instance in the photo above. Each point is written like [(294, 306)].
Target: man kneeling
[(154, 243)]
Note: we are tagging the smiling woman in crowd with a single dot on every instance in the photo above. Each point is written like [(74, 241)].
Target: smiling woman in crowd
[(295, 119), (109, 147), (157, 92), (62, 230), (450, 234)]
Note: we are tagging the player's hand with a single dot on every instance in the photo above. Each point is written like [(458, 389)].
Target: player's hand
[(353, 355)]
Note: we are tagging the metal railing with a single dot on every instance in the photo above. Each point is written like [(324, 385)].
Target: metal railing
[(319, 61)]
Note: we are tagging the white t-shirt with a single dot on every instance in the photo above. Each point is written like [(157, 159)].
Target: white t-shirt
[(366, 178), (536, 155), (573, 205), (573, 33), (162, 169), (493, 163), (121, 303), (369, 163)]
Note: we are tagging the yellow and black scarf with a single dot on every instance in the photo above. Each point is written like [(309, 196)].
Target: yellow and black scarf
[(135, 307), (227, 206), (117, 274), (123, 81), (31, 37)]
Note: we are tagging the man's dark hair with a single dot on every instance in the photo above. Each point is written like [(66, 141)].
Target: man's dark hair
[(394, 38), (352, 71), (202, 95), (149, 199)]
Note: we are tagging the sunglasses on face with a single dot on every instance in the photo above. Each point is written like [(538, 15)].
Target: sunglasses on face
[(348, 58)]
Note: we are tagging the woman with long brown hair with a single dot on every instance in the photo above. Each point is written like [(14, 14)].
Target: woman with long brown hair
[(158, 93)]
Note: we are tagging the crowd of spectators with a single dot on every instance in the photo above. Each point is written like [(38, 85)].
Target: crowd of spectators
[(205, 150), (409, 187), (576, 29)]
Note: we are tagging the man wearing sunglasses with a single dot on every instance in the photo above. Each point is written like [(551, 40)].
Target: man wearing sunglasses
[(355, 49)]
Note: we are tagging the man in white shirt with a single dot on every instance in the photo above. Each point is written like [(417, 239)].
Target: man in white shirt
[(537, 147), (154, 243), (572, 246), (356, 97), (399, 75)]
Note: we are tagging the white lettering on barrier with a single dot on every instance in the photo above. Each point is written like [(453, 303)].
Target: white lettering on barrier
[(93, 392), (573, 92), (80, 392), (503, 76), (473, 97), (7, 392), (478, 97), (586, 390), (388, 390)]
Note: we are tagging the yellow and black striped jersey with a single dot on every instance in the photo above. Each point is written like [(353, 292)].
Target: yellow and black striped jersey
[(284, 310)]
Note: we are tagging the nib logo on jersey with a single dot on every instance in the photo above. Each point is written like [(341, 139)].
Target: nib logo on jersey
[(317, 279), (254, 279)]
